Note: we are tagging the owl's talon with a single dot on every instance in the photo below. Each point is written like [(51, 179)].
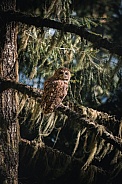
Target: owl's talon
[(38, 142)]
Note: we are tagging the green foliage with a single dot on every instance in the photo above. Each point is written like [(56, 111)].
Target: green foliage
[(95, 74), (43, 50)]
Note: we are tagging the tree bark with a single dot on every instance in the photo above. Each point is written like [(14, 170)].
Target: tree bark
[(9, 138)]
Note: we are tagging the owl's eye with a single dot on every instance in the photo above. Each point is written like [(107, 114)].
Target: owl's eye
[(66, 73), (61, 72)]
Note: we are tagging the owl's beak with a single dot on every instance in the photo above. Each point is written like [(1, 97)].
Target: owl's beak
[(65, 77)]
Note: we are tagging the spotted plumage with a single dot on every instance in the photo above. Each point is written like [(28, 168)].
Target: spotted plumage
[(55, 90)]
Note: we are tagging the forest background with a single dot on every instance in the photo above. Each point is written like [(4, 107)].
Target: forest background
[(82, 143)]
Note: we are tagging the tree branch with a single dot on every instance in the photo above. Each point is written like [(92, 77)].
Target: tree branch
[(24, 89), (100, 129), (97, 41), (43, 162), (74, 116)]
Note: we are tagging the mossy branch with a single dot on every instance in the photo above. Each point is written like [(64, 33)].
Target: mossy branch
[(94, 126), (37, 155), (97, 40), (78, 118)]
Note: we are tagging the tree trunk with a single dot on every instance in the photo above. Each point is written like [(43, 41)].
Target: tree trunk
[(9, 138)]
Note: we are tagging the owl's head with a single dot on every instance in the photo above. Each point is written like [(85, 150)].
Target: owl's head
[(62, 74)]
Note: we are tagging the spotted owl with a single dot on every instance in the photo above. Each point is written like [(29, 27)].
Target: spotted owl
[(55, 90)]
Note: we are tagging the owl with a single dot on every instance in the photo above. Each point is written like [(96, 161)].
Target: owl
[(55, 90)]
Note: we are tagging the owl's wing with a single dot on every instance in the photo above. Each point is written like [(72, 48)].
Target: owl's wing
[(53, 95), (55, 88)]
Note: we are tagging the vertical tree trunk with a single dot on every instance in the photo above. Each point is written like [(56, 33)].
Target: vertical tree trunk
[(8, 99)]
